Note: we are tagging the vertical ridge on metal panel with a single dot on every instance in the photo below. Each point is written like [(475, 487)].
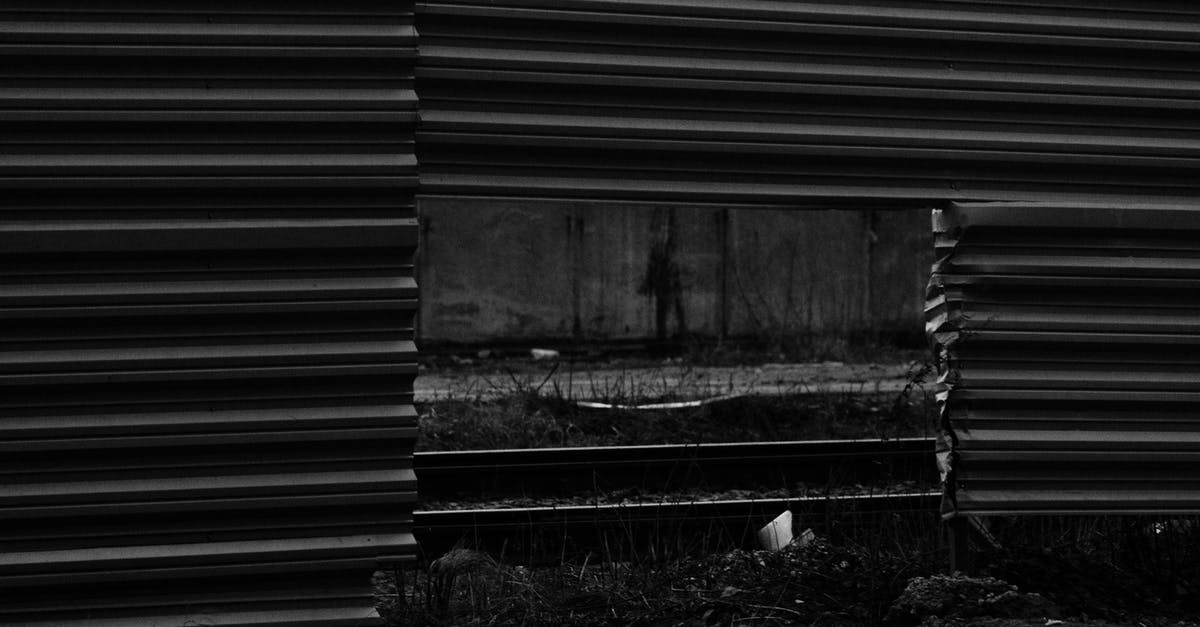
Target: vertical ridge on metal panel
[(207, 302), (1071, 379), (809, 104)]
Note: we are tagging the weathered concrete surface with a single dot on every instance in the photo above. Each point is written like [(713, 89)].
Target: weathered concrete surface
[(677, 382), (492, 271), (794, 273), (524, 271)]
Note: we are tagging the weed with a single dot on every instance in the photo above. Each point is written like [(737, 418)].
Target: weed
[(1127, 570), (528, 420), (818, 583)]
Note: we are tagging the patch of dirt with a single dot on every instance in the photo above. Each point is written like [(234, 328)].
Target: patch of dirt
[(960, 601), (872, 577), (818, 584), (1084, 585), (959, 597)]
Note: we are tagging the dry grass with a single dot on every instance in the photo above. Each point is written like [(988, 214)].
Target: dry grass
[(821, 583), (531, 419), (1122, 571)]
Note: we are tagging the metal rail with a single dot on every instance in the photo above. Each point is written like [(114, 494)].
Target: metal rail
[(552, 471)]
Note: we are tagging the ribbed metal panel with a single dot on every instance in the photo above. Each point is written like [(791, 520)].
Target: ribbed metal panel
[(206, 304), (1072, 376), (809, 103)]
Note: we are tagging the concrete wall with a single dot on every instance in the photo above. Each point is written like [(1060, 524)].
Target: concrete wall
[(511, 271)]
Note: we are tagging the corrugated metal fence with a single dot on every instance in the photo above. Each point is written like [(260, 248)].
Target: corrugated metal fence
[(205, 378), (207, 232), (1070, 375), (1072, 372), (809, 103)]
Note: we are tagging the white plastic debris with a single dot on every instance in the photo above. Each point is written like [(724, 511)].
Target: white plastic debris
[(673, 405), (543, 353), (778, 533)]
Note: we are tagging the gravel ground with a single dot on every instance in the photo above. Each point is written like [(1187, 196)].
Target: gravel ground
[(672, 380), (634, 496)]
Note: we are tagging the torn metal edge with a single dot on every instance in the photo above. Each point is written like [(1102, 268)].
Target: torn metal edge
[(943, 330)]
